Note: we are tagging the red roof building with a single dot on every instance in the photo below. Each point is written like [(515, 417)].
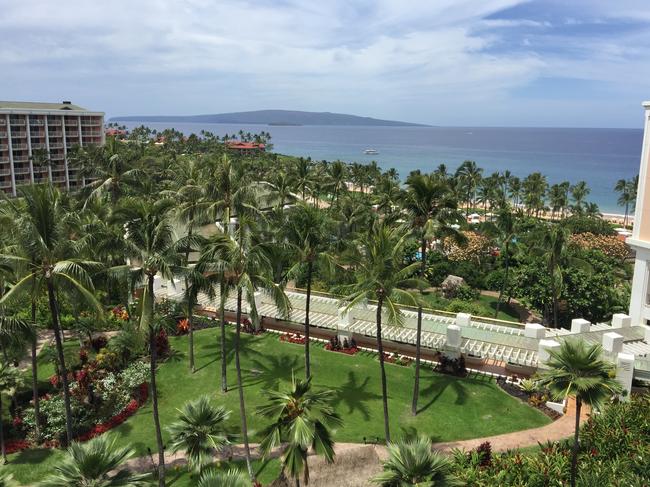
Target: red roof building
[(245, 147)]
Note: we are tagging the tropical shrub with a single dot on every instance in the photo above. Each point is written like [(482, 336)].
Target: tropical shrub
[(610, 245), (475, 248)]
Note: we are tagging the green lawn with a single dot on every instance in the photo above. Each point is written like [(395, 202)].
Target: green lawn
[(266, 471), (451, 408), (487, 305)]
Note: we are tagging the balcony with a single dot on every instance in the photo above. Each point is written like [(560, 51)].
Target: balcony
[(37, 123), (21, 170), (38, 145), (3, 122), (4, 147), (18, 134), (5, 172), (54, 123), (56, 145), (19, 146), (3, 135), (57, 157), (90, 123), (18, 160), (5, 184), (17, 123), (55, 133), (72, 133), (58, 179)]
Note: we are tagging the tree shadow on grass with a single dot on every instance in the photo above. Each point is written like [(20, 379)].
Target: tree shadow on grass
[(31, 456), (271, 370), (355, 396), (438, 385)]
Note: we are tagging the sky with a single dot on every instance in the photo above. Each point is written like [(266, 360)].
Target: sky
[(560, 63)]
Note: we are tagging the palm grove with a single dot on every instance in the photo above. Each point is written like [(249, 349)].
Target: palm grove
[(150, 210)]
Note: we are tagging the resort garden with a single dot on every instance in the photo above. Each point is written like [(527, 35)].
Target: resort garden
[(103, 381)]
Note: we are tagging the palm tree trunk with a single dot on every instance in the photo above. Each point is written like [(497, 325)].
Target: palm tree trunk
[(59, 350), (380, 349), (505, 278), (242, 405), (576, 444), (310, 269), (191, 332), (2, 435), (418, 335), (222, 318), (154, 402), (35, 398), (154, 390)]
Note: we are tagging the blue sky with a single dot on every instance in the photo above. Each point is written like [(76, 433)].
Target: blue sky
[(578, 63)]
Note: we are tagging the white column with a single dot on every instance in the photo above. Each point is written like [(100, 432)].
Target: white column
[(11, 157), (580, 325), (454, 338), (621, 320), (612, 342), (543, 351), (257, 298), (534, 330), (463, 319), (47, 148), (343, 324), (625, 372)]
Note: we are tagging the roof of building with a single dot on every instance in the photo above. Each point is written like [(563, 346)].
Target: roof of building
[(35, 105), (235, 144)]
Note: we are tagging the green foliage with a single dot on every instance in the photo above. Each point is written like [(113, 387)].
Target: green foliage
[(583, 224), (99, 462), (466, 293)]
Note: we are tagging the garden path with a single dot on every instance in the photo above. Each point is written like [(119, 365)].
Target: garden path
[(557, 430)]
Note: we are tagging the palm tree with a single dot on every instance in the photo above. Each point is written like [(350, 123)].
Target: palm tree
[(53, 264), (553, 246), (10, 379), (380, 275), (413, 463), (228, 193), (150, 242), (198, 431), (301, 420), (99, 462), (577, 370), (557, 200), (579, 192), (627, 190), (302, 173), (109, 167), (231, 478), (432, 210), (505, 230), (338, 176), (306, 233), (470, 175), (244, 261), (534, 192)]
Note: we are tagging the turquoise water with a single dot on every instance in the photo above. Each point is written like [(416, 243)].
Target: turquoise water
[(598, 156)]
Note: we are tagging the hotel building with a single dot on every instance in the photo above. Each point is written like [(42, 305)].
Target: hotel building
[(35, 139)]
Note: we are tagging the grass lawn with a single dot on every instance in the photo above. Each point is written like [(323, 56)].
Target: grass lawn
[(451, 408), (486, 304), (266, 471)]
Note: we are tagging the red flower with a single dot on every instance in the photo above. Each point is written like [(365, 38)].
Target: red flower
[(17, 421), (54, 380)]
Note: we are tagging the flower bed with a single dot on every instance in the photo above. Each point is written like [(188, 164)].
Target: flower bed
[(335, 345), (16, 445), (293, 338), (397, 360)]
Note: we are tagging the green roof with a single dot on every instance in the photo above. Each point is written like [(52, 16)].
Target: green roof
[(31, 105)]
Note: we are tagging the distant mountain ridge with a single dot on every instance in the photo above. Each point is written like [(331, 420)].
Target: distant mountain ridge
[(271, 117)]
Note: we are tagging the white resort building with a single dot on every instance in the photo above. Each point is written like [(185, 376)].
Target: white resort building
[(35, 139)]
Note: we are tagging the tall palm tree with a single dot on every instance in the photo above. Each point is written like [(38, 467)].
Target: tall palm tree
[(200, 429), (579, 192), (338, 176), (231, 478), (53, 266), (378, 263), (432, 210), (534, 188), (301, 421), (302, 174), (412, 463), (99, 462), (553, 246), (470, 175), (228, 193), (627, 190), (10, 379), (241, 257), (149, 242), (514, 189), (307, 235), (577, 370), (504, 229)]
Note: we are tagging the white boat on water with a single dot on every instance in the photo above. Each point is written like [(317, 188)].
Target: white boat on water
[(371, 151)]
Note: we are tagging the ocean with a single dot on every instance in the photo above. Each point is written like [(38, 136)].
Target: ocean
[(598, 156)]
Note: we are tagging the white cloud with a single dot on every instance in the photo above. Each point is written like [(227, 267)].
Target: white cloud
[(385, 58)]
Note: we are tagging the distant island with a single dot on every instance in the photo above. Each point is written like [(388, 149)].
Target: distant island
[(271, 117)]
